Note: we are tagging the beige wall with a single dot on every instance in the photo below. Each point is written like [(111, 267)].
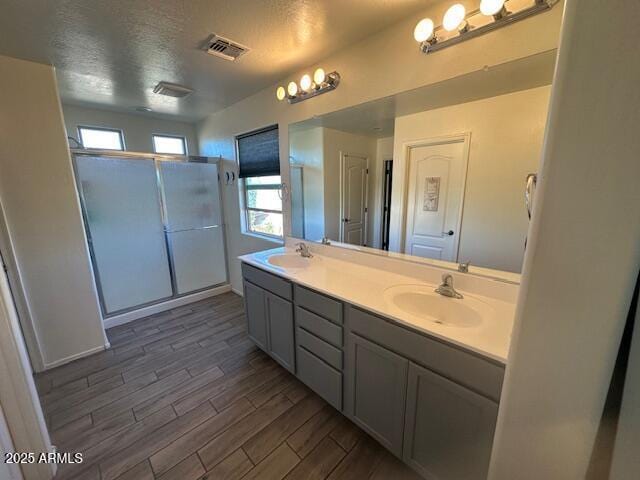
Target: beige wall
[(386, 63), (506, 141), (41, 210), (137, 129)]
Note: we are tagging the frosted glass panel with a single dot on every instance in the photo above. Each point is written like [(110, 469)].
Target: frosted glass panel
[(122, 208), (198, 258), (191, 195)]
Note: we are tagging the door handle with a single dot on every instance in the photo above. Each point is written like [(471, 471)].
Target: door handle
[(449, 233)]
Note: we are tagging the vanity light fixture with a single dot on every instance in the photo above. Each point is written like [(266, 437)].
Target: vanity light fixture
[(458, 25), (424, 30), (309, 87), (454, 18), (292, 89), (305, 83), (319, 76), (493, 8)]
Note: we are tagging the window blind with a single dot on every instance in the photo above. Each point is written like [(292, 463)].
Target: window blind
[(259, 153)]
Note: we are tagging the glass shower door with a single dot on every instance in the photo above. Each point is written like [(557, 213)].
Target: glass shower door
[(121, 206), (193, 220)]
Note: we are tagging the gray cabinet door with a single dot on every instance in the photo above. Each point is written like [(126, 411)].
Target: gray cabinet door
[(449, 429), (255, 310), (377, 385), (280, 324)]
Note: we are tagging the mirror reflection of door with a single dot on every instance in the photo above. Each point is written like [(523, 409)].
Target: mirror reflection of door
[(353, 195), (435, 195), (386, 202)]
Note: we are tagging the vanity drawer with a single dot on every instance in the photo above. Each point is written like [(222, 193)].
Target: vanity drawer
[(320, 377), (320, 348), (465, 368), (317, 303), (320, 327), (269, 282)]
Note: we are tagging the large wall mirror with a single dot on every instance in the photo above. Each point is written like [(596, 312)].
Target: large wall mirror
[(441, 173)]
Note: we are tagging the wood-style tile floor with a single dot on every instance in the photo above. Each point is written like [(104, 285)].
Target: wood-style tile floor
[(186, 395)]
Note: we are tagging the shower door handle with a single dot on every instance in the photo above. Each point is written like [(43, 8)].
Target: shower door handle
[(532, 180)]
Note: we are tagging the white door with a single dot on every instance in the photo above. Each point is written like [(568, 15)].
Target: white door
[(353, 214), (435, 195)]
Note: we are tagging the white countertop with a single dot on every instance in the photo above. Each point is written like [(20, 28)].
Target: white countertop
[(364, 286)]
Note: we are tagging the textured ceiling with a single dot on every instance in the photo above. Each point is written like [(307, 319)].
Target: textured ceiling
[(112, 53)]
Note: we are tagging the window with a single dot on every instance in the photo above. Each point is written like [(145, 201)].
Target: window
[(103, 138), (263, 203), (169, 144), (259, 161)]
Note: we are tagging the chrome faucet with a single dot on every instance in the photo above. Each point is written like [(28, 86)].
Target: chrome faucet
[(446, 287), (303, 250)]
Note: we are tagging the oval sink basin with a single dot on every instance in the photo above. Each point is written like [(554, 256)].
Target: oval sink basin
[(288, 260), (421, 302)]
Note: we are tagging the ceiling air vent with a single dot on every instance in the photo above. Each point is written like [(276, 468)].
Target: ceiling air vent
[(225, 48), (172, 90)]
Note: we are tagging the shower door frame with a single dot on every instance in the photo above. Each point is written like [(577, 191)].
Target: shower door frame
[(156, 157)]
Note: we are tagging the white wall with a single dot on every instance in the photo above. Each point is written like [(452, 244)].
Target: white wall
[(506, 141), (306, 150), (335, 143), (583, 258), (388, 62), (137, 128), (41, 209)]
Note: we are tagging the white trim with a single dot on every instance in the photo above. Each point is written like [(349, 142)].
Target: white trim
[(406, 153), (164, 306), (237, 292), (6, 445), (18, 395), (366, 196), (75, 356), (268, 238)]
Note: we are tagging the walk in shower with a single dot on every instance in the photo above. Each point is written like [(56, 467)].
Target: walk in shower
[(154, 226)]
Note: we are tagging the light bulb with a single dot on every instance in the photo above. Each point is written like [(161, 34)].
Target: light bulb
[(491, 7), (453, 17), (318, 76), (305, 82), (281, 93), (423, 30), (292, 89)]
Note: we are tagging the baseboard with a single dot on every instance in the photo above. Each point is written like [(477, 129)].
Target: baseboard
[(164, 306), (71, 358), (237, 292)]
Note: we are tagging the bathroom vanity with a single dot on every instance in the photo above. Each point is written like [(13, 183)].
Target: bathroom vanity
[(411, 378)]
